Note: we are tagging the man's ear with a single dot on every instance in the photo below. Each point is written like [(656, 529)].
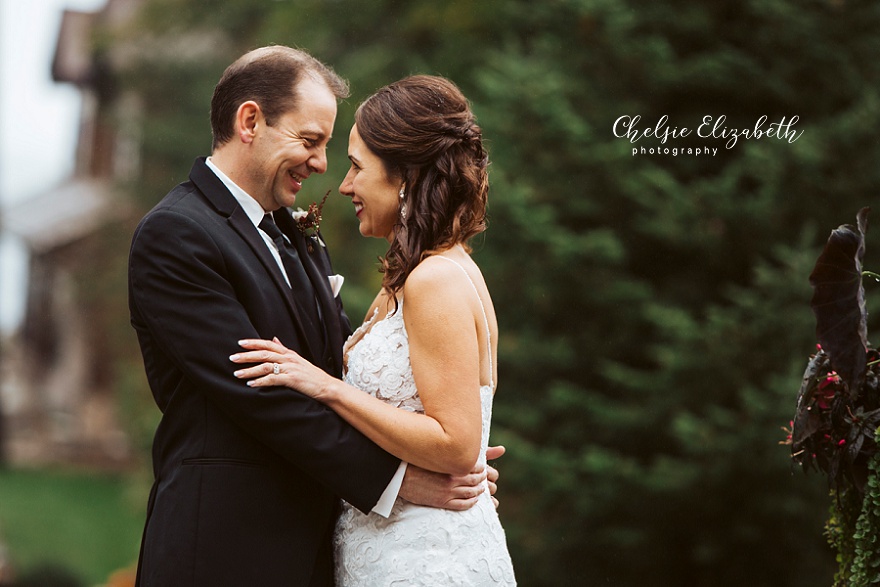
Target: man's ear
[(246, 118)]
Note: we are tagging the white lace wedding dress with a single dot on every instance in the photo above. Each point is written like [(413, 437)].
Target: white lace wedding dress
[(415, 545)]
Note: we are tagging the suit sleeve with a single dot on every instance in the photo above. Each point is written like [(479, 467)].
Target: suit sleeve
[(182, 295)]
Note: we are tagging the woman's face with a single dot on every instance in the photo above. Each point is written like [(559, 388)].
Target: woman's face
[(373, 193)]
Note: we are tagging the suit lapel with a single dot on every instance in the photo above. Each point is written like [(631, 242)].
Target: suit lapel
[(211, 186), (318, 277)]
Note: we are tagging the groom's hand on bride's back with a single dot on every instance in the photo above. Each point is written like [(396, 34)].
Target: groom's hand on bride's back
[(492, 453), (451, 492)]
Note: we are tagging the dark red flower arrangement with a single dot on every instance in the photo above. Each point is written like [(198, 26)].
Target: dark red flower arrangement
[(835, 427), (838, 407)]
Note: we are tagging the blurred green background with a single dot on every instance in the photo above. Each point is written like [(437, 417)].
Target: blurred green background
[(654, 309)]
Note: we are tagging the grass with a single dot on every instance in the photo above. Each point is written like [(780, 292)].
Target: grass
[(87, 524)]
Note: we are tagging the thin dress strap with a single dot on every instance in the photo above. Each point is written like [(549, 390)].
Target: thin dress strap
[(485, 318)]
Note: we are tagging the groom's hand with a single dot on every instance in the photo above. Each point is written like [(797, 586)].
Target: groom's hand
[(451, 492), (439, 490), (492, 453)]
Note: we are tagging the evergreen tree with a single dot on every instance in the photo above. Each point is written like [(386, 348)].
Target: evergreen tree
[(654, 309)]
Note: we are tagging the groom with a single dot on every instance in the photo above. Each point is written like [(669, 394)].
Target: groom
[(246, 482)]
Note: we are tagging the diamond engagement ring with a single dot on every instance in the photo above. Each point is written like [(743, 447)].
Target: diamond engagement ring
[(276, 368)]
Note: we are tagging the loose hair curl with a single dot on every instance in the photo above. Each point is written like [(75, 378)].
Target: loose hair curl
[(423, 130)]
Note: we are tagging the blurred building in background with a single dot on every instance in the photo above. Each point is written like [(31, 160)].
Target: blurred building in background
[(57, 392)]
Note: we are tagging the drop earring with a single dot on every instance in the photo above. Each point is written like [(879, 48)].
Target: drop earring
[(401, 195)]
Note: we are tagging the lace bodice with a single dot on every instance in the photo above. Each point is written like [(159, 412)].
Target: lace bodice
[(378, 363), (415, 545)]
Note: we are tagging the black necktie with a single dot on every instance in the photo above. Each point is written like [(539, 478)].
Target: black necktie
[(300, 286)]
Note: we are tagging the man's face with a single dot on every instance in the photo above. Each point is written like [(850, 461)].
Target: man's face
[(294, 147)]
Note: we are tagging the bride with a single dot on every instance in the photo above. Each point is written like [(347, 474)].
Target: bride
[(425, 356)]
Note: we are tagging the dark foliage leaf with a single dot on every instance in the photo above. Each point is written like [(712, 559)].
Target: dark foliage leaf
[(806, 421), (839, 301)]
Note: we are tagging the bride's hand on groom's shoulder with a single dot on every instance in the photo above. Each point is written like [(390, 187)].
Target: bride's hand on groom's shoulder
[(451, 492)]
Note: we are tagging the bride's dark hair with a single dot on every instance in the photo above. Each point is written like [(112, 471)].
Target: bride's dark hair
[(423, 130)]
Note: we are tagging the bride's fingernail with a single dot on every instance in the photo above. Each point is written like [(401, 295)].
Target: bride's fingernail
[(250, 383), (233, 357), (237, 373)]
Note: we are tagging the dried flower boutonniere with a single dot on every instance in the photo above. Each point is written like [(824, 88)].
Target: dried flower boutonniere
[(309, 221)]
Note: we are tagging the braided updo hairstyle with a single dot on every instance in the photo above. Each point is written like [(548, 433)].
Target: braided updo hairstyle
[(423, 130)]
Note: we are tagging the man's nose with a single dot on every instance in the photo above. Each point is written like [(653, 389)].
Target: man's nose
[(318, 162)]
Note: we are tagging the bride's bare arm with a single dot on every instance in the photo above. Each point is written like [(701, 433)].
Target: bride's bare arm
[(444, 353)]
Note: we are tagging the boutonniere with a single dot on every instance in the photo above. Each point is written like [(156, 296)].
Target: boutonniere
[(309, 221)]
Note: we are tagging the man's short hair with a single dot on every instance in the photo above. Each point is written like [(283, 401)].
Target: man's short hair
[(268, 76)]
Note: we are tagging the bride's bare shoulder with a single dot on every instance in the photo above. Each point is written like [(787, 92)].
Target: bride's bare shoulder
[(430, 272), (435, 282)]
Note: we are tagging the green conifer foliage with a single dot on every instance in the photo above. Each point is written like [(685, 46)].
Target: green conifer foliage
[(654, 309)]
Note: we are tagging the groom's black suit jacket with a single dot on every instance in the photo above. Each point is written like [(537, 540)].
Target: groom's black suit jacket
[(246, 481)]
